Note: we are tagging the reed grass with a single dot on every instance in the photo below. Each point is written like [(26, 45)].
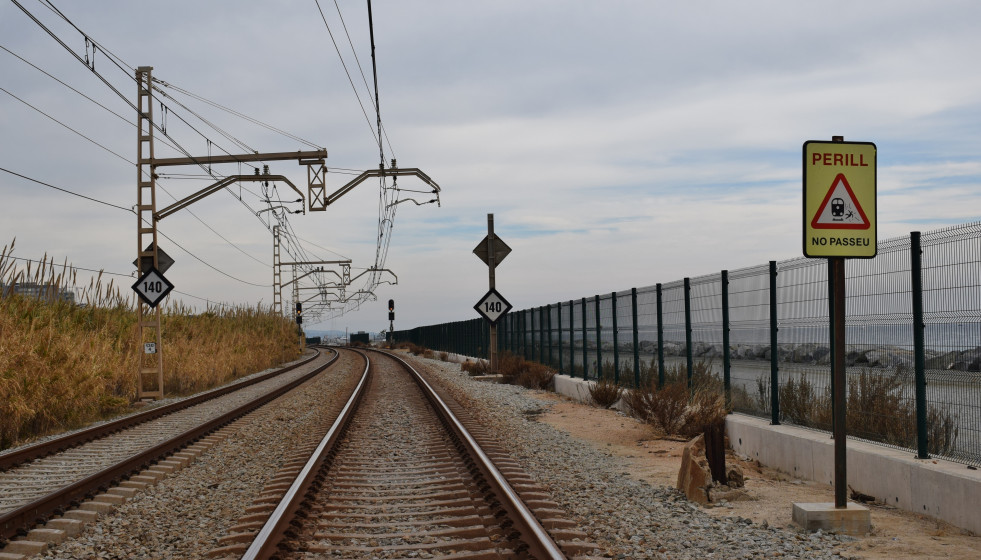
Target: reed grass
[(64, 364)]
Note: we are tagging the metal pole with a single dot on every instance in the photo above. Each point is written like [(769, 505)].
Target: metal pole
[(616, 343), (726, 356), (838, 403), (599, 339), (660, 340), (558, 316), (633, 309), (585, 375), (548, 317), (572, 338), (492, 279), (919, 352), (774, 378), (689, 359)]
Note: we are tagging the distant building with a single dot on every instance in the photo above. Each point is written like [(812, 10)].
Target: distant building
[(38, 291)]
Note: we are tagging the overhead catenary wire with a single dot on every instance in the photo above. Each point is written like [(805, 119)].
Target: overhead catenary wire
[(130, 210)]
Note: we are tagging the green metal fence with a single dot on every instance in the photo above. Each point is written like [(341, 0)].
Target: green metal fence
[(913, 333)]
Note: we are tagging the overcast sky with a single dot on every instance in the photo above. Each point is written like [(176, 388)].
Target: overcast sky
[(618, 143)]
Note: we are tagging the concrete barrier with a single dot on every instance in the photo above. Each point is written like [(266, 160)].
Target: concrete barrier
[(941, 489), (934, 487)]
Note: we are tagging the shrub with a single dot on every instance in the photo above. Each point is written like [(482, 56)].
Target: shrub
[(674, 411), (605, 393), (515, 370), (479, 367), (875, 409), (444, 356)]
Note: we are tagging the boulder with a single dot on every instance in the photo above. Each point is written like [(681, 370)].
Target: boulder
[(694, 477)]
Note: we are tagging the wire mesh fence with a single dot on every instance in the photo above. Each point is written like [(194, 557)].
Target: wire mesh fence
[(913, 340)]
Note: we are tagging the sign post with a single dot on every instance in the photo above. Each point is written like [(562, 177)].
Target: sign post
[(492, 306), (839, 223)]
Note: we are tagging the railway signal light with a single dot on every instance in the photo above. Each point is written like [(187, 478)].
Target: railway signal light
[(299, 313)]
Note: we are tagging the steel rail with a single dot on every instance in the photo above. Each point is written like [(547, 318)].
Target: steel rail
[(29, 515), (43, 449), (267, 539), (540, 543)]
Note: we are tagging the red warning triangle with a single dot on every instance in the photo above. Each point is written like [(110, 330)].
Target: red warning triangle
[(840, 208)]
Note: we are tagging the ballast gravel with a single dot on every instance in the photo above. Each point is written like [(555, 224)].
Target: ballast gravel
[(184, 515), (628, 518)]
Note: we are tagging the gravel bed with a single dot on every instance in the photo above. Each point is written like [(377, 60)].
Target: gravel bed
[(183, 516), (628, 518)]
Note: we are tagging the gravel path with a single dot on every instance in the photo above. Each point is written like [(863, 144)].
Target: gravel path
[(630, 519), (183, 516)]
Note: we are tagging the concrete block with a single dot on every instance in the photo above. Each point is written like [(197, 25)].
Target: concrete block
[(97, 507), (153, 475), (122, 491), (854, 519), (161, 468), (25, 547), (48, 535), (85, 516), (113, 499), (71, 527), (11, 556)]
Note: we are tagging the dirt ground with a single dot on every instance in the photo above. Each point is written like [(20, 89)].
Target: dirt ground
[(770, 493)]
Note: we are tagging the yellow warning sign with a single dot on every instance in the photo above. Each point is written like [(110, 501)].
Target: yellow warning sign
[(839, 199)]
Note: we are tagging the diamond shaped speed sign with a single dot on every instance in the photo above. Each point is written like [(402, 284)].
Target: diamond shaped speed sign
[(492, 306), (152, 287)]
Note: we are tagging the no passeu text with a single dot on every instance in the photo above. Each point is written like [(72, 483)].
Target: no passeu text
[(841, 241)]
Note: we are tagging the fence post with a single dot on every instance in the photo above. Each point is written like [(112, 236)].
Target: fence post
[(599, 339), (548, 317), (541, 334), (636, 333), (616, 340), (585, 374), (919, 352), (774, 378), (558, 316), (689, 361), (660, 340), (572, 337), (726, 357)]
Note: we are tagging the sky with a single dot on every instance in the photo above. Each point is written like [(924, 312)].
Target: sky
[(618, 144)]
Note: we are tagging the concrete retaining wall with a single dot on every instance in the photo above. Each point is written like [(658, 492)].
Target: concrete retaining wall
[(945, 490)]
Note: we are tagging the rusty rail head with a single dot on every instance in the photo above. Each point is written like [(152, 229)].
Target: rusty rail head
[(268, 538)]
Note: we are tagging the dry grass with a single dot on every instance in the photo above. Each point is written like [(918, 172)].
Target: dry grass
[(673, 409), (478, 367), (63, 365), (518, 371), (876, 409), (605, 392)]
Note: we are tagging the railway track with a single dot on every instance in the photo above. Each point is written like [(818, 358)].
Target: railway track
[(398, 476), (45, 480)]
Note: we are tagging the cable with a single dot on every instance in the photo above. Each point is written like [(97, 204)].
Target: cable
[(236, 113), (360, 69), (351, 81), (39, 69), (66, 126), (130, 210)]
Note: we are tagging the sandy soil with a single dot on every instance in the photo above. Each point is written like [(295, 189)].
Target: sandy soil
[(770, 493)]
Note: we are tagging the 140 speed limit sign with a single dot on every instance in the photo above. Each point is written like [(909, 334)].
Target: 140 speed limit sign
[(492, 306)]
